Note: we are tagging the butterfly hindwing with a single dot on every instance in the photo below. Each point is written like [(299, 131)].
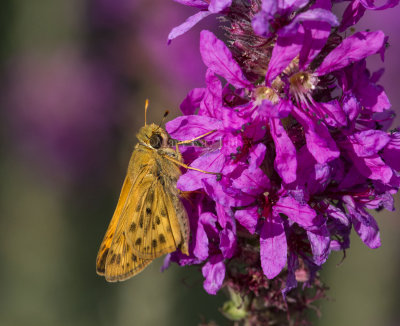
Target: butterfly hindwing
[(159, 231)]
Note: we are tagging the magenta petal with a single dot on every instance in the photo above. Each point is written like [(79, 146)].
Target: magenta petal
[(317, 34), (217, 6), (248, 218), (391, 153), (285, 50), (374, 168), (353, 13), (312, 15), (368, 4), (273, 247), (192, 126), (201, 4), (352, 49), (268, 110), (369, 142), (334, 114), (302, 214), (201, 247), (226, 196), (227, 243), (192, 101), (373, 97), (364, 224), (224, 215), (187, 25), (260, 23), (337, 214), (256, 155), (210, 162), (291, 282), (353, 177), (214, 273), (218, 58), (285, 160), (319, 141), (351, 106), (320, 244), (252, 182), (212, 101), (230, 144)]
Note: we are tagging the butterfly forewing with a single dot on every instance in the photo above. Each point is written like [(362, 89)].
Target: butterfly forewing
[(107, 240), (121, 262)]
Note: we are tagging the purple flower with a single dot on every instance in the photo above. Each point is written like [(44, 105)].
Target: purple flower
[(300, 143)]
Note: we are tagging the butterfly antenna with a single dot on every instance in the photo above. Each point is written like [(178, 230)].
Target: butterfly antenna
[(163, 118), (146, 105)]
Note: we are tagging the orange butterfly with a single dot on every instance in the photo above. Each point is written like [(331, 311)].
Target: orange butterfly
[(150, 219)]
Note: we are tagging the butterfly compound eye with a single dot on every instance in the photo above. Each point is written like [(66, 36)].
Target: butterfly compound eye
[(155, 141)]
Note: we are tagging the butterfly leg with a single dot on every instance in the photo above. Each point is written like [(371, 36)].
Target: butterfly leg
[(188, 167), (188, 142), (194, 139)]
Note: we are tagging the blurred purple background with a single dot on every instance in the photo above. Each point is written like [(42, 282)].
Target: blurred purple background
[(75, 76)]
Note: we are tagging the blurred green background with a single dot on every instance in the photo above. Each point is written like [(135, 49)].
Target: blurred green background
[(74, 78)]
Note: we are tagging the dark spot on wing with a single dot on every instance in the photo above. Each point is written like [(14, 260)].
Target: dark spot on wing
[(102, 263), (154, 243), (139, 206), (163, 212), (148, 210), (161, 238), (118, 260), (132, 227), (134, 258), (138, 241), (158, 221), (141, 221), (113, 258)]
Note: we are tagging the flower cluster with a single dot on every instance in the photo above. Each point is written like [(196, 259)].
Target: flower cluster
[(304, 148)]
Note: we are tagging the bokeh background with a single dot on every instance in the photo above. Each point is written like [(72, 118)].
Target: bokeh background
[(74, 76)]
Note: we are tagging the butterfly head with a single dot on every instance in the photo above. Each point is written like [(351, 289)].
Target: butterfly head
[(153, 136)]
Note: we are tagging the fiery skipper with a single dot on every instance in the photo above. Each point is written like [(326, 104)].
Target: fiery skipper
[(150, 220)]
